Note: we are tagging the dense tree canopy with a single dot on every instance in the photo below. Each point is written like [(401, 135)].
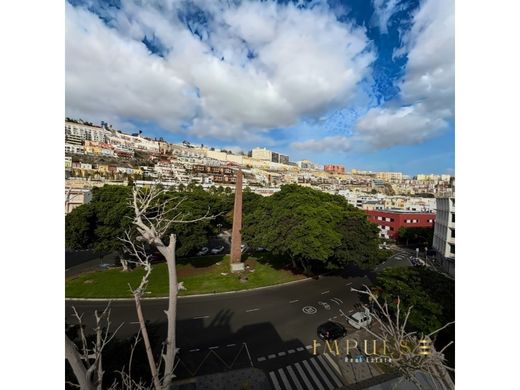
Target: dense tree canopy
[(416, 236), (98, 224), (311, 228), (431, 294)]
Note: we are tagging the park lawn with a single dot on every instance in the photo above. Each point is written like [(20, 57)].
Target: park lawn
[(201, 275)]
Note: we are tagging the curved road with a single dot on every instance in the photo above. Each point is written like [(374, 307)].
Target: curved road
[(277, 323)]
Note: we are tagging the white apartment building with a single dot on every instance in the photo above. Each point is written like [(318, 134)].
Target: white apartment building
[(86, 132), (74, 149), (444, 233)]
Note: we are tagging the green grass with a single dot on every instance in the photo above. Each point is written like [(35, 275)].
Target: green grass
[(200, 276)]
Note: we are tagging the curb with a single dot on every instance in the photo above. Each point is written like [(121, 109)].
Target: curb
[(191, 296)]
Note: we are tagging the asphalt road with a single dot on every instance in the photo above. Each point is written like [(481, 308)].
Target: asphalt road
[(271, 329), (261, 326)]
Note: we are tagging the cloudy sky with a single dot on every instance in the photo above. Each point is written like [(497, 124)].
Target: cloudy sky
[(365, 83)]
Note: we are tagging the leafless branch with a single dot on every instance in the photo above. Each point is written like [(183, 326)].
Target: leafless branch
[(410, 353)]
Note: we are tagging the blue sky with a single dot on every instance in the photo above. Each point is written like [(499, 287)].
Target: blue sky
[(365, 83)]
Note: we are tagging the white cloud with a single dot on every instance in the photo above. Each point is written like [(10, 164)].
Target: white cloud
[(111, 76), (383, 11), (336, 143), (305, 62), (424, 106)]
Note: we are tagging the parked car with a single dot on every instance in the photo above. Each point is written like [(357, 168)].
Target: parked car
[(331, 331), (203, 251), (243, 248), (216, 251), (360, 319)]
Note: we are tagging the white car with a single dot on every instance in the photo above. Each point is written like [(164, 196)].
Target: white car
[(360, 319), (216, 251), (203, 251)]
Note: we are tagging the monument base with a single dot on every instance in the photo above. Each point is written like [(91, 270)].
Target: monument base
[(237, 267)]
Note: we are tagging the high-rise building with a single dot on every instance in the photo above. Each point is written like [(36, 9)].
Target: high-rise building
[(444, 234)]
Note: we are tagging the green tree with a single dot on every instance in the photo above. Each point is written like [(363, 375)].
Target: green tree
[(415, 236), (431, 294), (310, 228), (79, 227)]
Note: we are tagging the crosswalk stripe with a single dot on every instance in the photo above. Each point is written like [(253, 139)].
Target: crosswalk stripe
[(313, 375), (322, 374), (274, 381), (332, 362), (284, 379), (329, 370), (303, 376), (294, 378)]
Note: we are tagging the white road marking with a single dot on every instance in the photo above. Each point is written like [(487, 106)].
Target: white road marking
[(282, 353), (134, 322), (261, 358), (337, 299), (303, 376), (194, 350), (291, 351), (213, 347), (230, 345), (348, 284), (332, 362), (313, 375), (200, 317), (274, 381), (351, 310), (300, 349), (308, 346), (310, 310), (325, 292), (294, 378), (328, 369), (272, 356), (250, 310), (284, 379), (322, 374), (294, 301)]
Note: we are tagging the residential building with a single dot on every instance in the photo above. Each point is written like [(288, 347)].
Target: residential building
[(444, 234), (73, 149), (387, 176), (334, 168), (75, 197), (264, 154), (86, 131), (390, 221)]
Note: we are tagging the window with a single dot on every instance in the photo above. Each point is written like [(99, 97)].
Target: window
[(452, 249), (453, 217), (452, 233)]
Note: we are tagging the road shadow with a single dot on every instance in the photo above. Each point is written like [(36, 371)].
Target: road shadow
[(208, 348)]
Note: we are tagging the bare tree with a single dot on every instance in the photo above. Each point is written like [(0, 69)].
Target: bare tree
[(409, 351), (154, 214), (86, 362)]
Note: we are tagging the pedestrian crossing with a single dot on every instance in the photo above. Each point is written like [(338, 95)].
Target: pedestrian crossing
[(320, 372)]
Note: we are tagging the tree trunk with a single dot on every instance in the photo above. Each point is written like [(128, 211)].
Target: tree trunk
[(144, 332), (80, 372), (171, 313), (124, 263)]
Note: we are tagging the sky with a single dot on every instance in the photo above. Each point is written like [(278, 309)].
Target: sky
[(364, 83)]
